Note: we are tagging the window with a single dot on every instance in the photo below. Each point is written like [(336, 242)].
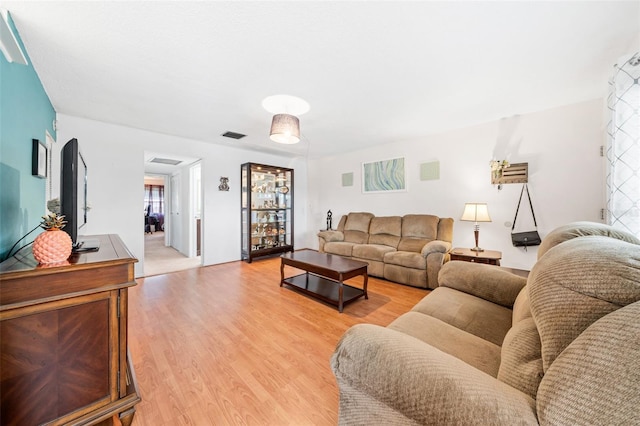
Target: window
[(154, 198), (623, 147)]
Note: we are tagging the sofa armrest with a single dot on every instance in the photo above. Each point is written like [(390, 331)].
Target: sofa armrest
[(484, 281), (420, 383), (436, 246), (330, 236), (436, 253)]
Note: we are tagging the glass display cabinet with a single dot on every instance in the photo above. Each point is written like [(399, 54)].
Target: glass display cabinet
[(266, 210)]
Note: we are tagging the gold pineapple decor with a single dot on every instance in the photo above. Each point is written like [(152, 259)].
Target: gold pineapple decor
[(53, 245)]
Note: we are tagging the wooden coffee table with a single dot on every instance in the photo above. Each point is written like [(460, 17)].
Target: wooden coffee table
[(324, 277)]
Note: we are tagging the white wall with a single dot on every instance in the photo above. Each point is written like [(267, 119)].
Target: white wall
[(115, 161), (566, 177), (561, 146)]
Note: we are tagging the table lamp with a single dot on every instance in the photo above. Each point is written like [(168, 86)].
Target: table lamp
[(476, 212)]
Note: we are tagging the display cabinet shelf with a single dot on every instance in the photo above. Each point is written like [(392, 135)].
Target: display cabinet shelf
[(266, 210)]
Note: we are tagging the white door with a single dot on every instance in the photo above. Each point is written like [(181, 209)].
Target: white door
[(195, 213), (176, 225)]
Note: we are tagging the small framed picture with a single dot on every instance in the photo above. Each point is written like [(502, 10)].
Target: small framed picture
[(39, 159)]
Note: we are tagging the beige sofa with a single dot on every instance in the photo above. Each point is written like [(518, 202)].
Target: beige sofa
[(406, 249), (486, 349)]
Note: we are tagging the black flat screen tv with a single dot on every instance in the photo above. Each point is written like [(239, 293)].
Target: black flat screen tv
[(73, 194)]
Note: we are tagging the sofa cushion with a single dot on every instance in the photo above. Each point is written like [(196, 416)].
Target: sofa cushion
[(420, 226), (377, 366), (521, 358), (385, 231), (418, 230), (411, 244), (330, 236), (521, 307), (356, 228), (445, 229), (596, 379), (406, 259), (356, 237), (340, 248), (409, 276), (471, 349), (371, 251), (583, 229), (466, 312), (358, 221), (576, 283), (375, 268), (496, 285)]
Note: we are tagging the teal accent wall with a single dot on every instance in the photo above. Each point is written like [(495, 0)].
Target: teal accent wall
[(26, 113)]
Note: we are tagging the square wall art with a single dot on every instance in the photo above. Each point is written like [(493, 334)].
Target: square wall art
[(347, 179)]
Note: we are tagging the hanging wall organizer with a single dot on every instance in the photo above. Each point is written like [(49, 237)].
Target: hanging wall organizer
[(514, 173)]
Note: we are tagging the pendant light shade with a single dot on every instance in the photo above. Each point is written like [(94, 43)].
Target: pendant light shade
[(285, 129)]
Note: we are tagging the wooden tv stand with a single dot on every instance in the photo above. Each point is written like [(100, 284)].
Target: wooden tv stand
[(63, 339)]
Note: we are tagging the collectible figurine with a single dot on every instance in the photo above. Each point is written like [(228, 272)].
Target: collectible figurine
[(329, 214), (224, 184)]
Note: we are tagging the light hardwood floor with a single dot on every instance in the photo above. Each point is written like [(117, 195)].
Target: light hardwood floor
[(226, 345)]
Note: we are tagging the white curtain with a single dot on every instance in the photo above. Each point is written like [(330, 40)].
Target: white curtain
[(623, 147)]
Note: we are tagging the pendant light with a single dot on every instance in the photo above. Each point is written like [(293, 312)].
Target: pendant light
[(285, 125), (285, 128)]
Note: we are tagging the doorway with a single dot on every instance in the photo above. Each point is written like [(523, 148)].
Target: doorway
[(170, 201)]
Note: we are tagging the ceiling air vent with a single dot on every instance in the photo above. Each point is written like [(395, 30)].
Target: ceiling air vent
[(233, 135), (166, 161)]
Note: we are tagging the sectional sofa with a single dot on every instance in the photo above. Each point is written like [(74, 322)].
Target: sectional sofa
[(491, 348), (408, 249)]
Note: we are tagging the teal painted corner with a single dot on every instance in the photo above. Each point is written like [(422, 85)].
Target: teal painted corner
[(26, 113)]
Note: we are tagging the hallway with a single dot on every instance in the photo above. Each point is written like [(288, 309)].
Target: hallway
[(159, 259)]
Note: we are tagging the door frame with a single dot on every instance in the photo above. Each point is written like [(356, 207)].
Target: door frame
[(195, 195)]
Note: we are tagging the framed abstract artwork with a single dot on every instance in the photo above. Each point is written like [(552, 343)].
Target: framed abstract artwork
[(384, 176)]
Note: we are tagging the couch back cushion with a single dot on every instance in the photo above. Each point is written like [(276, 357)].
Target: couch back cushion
[(578, 282), (596, 379), (521, 358), (521, 307), (356, 228), (521, 355), (418, 230), (445, 229), (583, 229), (385, 231)]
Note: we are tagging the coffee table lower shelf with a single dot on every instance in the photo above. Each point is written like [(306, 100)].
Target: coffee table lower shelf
[(324, 289)]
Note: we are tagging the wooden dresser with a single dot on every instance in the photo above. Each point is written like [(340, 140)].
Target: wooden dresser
[(63, 339)]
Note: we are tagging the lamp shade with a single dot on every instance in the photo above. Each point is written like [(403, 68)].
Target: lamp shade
[(285, 129), (476, 212)]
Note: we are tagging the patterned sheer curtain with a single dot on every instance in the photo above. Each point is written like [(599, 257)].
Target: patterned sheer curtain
[(154, 196), (623, 146)]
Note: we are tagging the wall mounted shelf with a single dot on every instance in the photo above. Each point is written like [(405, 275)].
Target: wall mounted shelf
[(515, 173)]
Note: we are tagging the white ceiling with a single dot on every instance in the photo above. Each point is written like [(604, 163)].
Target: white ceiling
[(373, 72), (153, 163)]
